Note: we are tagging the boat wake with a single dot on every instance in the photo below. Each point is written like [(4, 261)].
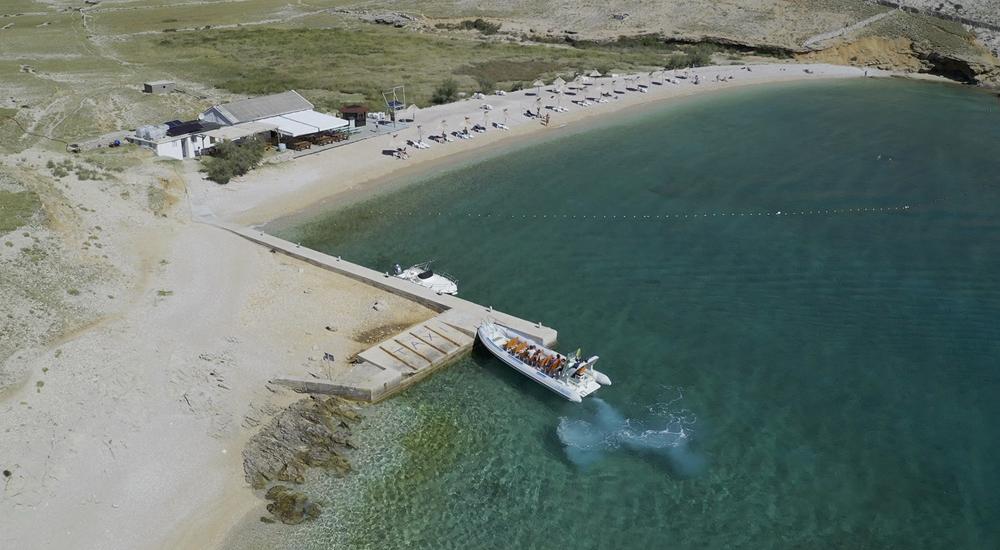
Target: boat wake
[(665, 432)]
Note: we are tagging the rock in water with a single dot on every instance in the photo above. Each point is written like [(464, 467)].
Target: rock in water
[(291, 507), (312, 432)]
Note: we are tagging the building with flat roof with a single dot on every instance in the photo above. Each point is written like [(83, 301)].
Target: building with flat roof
[(158, 86), (291, 114)]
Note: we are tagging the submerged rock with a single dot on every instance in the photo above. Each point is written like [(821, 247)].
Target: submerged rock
[(311, 433), (289, 506)]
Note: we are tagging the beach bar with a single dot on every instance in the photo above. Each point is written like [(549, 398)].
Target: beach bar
[(358, 114)]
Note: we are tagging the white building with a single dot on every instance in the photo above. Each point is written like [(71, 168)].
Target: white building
[(292, 114), (287, 115)]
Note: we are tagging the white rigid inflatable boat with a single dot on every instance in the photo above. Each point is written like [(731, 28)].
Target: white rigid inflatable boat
[(569, 376)]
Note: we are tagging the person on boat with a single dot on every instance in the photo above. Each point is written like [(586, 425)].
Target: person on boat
[(560, 365), (556, 363), (572, 367), (511, 344), (550, 366)]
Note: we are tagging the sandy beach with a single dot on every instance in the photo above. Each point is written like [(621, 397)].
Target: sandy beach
[(128, 433), (357, 170)]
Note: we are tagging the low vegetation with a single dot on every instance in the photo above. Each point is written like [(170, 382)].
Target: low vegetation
[(233, 159), (17, 209), (350, 63), (82, 172), (478, 24), (446, 92)]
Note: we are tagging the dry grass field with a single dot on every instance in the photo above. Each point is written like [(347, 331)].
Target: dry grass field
[(74, 70)]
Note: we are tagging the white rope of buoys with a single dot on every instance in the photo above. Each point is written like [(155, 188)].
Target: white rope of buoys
[(650, 217)]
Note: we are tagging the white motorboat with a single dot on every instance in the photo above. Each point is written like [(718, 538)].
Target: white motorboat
[(423, 275), (569, 376)]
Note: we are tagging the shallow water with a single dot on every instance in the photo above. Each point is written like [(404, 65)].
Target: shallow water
[(804, 353)]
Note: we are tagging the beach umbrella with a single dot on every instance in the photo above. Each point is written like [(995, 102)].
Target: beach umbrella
[(558, 82), (420, 133), (594, 74), (538, 85)]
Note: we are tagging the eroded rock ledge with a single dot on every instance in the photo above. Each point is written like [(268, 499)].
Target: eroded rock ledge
[(311, 433)]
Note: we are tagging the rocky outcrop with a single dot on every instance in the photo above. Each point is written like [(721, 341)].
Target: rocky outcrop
[(393, 18), (970, 70), (311, 433), (289, 506), (917, 43)]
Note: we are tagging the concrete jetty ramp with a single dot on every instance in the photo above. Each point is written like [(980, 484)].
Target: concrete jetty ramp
[(401, 360)]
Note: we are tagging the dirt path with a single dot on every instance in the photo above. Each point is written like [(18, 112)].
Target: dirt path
[(814, 42)]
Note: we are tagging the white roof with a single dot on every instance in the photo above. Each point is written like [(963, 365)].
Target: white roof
[(257, 108), (305, 122), (238, 131)]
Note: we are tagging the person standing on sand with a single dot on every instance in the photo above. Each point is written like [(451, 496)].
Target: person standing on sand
[(547, 118)]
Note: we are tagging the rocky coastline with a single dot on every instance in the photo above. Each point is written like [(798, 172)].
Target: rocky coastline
[(314, 432)]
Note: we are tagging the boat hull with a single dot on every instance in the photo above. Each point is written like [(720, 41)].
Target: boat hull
[(494, 336)]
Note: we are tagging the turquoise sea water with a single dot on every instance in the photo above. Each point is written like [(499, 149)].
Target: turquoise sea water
[(819, 378)]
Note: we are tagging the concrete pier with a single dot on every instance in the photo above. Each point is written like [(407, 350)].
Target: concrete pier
[(401, 360)]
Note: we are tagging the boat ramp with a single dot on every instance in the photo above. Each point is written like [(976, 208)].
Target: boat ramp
[(399, 361)]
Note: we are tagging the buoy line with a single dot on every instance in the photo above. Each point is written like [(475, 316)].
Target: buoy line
[(647, 217)]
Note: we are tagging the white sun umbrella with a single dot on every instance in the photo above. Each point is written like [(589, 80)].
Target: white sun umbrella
[(420, 133), (594, 74), (578, 80), (538, 86), (558, 83)]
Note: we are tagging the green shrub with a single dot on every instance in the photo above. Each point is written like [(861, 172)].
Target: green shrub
[(446, 92), (486, 85), (480, 25), (233, 159)]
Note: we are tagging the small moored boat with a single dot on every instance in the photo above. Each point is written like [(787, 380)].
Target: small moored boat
[(423, 275), (570, 376)]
